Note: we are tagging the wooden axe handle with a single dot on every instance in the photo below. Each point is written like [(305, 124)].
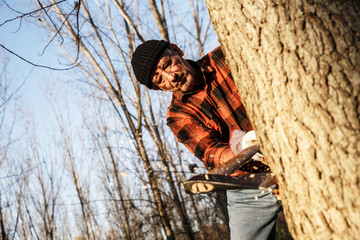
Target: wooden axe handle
[(237, 161)]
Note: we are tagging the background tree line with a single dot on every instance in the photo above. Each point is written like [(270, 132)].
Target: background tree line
[(114, 171), (106, 166)]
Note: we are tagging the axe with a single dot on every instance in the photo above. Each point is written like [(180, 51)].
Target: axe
[(219, 179)]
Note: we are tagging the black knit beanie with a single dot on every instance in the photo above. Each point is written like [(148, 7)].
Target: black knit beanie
[(144, 59)]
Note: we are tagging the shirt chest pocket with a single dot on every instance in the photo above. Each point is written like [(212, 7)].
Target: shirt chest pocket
[(213, 128), (209, 123)]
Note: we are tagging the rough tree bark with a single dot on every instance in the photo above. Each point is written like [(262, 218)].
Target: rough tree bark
[(297, 65)]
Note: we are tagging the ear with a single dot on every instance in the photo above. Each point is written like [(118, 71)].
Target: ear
[(176, 49)]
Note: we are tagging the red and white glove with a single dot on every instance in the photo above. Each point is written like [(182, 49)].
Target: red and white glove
[(240, 140)]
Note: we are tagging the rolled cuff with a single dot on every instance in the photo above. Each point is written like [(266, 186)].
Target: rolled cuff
[(212, 159)]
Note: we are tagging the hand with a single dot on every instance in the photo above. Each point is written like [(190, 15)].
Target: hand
[(235, 141), (240, 140)]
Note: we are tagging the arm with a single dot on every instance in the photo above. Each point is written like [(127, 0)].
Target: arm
[(202, 141), (226, 155)]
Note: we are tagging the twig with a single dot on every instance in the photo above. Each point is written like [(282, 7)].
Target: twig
[(41, 6), (38, 65), (58, 32), (26, 14)]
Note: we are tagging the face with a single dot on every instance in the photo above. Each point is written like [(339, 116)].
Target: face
[(173, 73)]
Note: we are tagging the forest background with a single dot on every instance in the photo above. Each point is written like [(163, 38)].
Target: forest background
[(84, 150)]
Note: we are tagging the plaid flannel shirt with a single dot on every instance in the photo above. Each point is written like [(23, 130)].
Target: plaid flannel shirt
[(203, 120)]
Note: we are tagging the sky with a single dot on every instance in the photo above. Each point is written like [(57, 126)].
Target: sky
[(31, 104), (28, 41)]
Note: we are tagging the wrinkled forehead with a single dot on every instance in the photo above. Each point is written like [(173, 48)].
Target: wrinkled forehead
[(165, 53)]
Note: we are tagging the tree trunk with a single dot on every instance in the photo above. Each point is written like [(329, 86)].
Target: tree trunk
[(297, 67)]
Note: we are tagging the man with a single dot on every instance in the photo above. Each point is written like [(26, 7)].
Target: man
[(204, 112)]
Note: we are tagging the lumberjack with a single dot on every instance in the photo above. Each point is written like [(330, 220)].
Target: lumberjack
[(207, 116)]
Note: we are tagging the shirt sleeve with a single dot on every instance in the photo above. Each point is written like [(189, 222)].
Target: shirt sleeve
[(201, 140)]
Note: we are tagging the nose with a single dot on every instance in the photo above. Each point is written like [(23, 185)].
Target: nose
[(170, 76)]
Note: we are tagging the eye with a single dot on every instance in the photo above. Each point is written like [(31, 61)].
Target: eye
[(165, 63), (157, 78)]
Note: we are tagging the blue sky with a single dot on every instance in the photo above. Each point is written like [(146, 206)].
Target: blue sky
[(32, 100), (28, 40)]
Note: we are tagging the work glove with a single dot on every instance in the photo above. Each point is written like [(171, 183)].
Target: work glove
[(240, 140)]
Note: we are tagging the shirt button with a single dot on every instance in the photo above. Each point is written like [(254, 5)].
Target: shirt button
[(232, 124), (219, 108)]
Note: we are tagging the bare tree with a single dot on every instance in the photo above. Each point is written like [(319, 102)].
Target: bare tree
[(10, 176), (103, 70), (44, 190), (82, 187), (112, 180)]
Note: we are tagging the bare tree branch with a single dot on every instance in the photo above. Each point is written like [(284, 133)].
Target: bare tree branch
[(38, 65), (26, 14)]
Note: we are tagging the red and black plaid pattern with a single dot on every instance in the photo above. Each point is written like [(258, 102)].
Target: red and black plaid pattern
[(204, 119)]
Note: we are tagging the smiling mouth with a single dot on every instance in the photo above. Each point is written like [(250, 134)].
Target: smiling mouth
[(181, 81)]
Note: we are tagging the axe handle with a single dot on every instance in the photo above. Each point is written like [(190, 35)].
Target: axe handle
[(237, 161)]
